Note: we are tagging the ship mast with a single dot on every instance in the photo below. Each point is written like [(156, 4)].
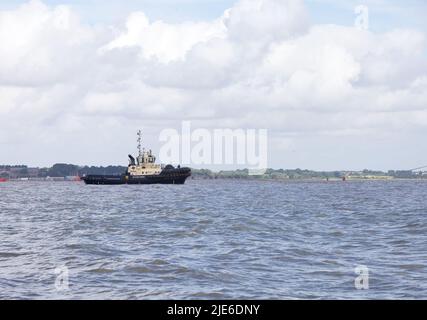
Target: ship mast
[(139, 133)]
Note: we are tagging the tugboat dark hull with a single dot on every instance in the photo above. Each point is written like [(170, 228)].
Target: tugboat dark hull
[(171, 176)]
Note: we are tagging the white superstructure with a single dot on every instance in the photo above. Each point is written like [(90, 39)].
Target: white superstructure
[(145, 162)]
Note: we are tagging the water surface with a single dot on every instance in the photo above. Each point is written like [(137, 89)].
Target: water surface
[(214, 239)]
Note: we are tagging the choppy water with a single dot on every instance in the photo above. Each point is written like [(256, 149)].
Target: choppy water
[(213, 239)]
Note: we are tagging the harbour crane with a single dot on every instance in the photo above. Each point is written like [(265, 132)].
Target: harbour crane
[(419, 168)]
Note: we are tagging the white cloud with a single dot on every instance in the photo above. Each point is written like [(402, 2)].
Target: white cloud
[(163, 41), (265, 21), (261, 64)]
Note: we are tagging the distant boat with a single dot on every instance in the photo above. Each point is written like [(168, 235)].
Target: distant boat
[(143, 170), (72, 178)]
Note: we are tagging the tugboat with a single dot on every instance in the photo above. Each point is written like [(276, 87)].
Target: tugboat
[(142, 170)]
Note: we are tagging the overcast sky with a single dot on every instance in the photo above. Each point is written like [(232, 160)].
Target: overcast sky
[(78, 78)]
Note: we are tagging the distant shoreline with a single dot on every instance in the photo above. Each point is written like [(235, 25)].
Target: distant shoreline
[(72, 172), (316, 180), (61, 179)]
